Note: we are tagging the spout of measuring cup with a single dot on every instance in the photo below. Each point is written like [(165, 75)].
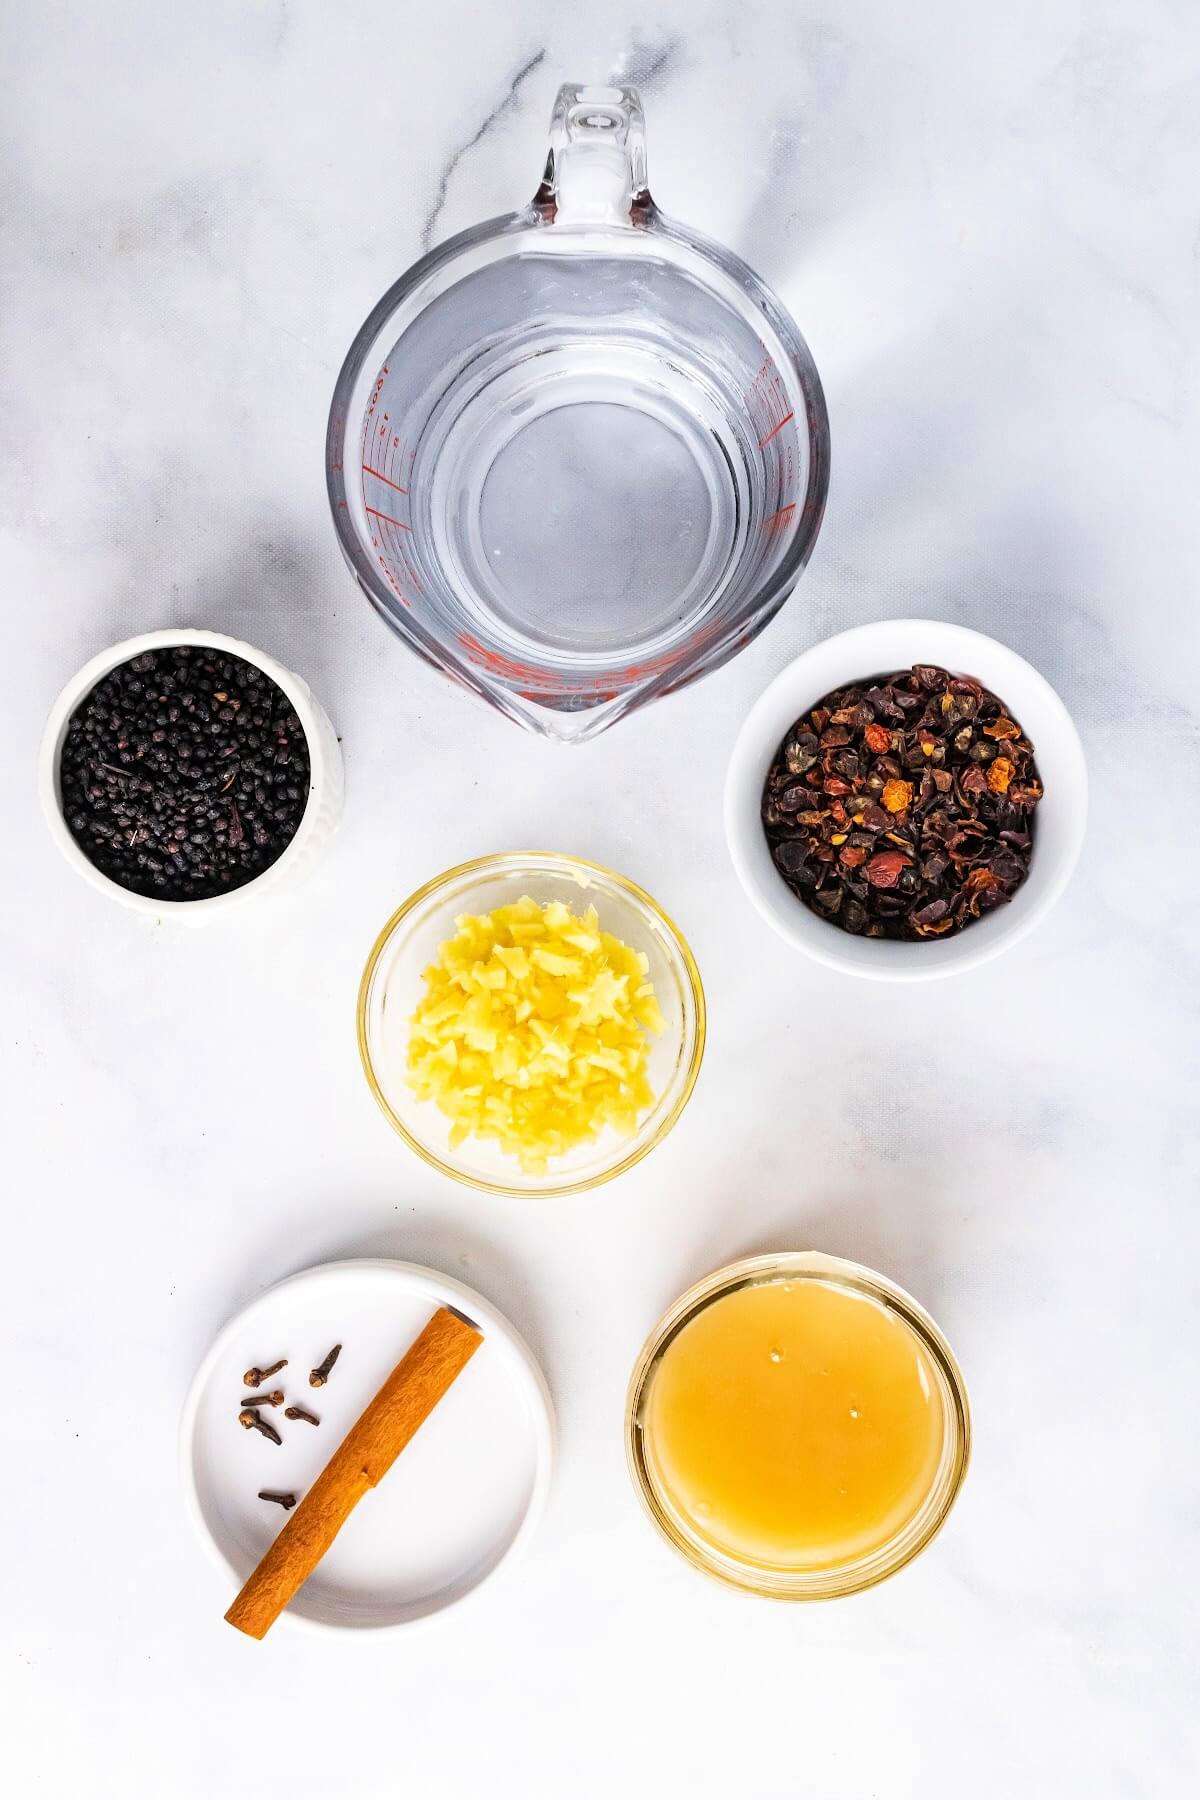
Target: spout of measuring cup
[(596, 165), (559, 723)]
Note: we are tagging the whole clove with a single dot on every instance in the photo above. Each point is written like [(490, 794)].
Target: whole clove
[(299, 1412), (274, 1398), (255, 1377), (320, 1375), (250, 1420), (287, 1501)]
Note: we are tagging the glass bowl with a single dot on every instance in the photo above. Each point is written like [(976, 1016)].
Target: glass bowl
[(826, 1582), (392, 985)]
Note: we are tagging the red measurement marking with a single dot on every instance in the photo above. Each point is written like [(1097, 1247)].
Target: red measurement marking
[(500, 664), (387, 517), (379, 476), (763, 442), (660, 665), (779, 519), (411, 573), (391, 579)]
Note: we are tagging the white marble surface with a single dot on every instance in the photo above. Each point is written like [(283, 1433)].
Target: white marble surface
[(985, 220)]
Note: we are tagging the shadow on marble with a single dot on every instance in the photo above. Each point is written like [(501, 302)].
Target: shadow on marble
[(903, 1228), (278, 595), (461, 1251)]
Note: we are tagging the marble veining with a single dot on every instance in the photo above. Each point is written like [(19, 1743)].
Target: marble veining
[(509, 103)]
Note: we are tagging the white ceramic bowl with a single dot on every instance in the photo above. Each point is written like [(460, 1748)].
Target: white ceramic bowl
[(320, 815), (871, 650), (463, 1498)]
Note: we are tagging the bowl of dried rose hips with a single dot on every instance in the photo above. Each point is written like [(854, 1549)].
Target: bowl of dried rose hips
[(906, 800)]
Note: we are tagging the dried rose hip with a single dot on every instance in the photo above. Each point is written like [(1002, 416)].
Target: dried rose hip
[(897, 795), (902, 807), (885, 870)]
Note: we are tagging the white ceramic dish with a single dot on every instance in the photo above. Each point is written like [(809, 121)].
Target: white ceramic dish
[(463, 1496), (871, 650), (320, 816)]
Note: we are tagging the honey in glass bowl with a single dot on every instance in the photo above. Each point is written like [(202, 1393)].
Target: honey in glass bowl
[(798, 1426)]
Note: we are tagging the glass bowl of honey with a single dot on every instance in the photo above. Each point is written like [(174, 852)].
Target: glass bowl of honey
[(797, 1426)]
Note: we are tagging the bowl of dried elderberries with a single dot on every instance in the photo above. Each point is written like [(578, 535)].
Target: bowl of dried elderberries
[(906, 800), (183, 772)]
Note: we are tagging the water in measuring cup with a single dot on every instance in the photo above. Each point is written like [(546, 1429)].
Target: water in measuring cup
[(589, 500), (583, 475)]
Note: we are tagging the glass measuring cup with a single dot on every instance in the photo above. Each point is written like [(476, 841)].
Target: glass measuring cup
[(578, 455)]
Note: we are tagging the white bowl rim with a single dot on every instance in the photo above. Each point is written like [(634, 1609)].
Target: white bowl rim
[(496, 1325), (864, 650), (80, 686)]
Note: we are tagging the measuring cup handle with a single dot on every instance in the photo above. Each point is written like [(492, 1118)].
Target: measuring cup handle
[(596, 167)]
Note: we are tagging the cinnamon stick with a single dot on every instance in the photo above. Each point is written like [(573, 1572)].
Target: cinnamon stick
[(361, 1461)]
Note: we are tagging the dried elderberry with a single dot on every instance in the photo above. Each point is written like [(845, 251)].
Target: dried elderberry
[(184, 773)]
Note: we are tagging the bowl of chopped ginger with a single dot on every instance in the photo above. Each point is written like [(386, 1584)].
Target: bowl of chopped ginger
[(531, 1023)]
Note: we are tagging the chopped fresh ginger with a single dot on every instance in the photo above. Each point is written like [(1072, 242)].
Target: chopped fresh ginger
[(533, 1031)]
